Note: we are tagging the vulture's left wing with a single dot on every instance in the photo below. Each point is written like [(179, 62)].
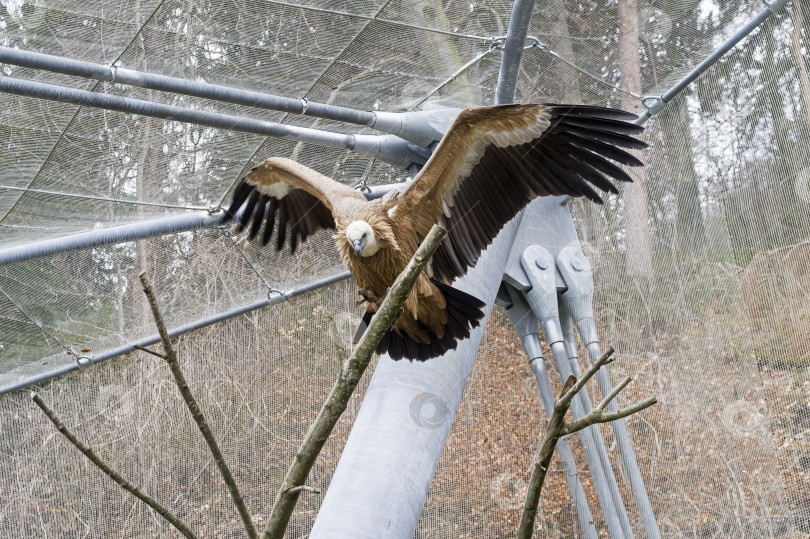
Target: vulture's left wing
[(494, 160), (284, 192)]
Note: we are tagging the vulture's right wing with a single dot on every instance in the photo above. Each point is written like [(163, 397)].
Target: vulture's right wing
[(279, 190), (494, 160)]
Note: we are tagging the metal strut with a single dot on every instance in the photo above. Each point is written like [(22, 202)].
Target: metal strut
[(549, 272), (525, 323)]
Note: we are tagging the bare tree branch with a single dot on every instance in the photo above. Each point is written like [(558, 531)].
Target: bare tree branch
[(558, 427), (305, 487), (112, 474), (600, 416), (568, 395), (612, 394), (148, 351), (345, 385), (171, 358)]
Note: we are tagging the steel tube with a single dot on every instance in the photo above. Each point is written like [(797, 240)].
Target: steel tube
[(573, 362), (712, 59), (526, 326), (388, 148), (111, 235), (626, 450), (577, 307), (130, 232), (147, 341), (589, 437), (384, 474), (141, 79), (516, 34)]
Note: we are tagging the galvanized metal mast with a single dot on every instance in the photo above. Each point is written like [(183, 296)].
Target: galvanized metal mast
[(385, 471)]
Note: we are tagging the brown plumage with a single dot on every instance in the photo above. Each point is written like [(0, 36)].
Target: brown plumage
[(491, 163)]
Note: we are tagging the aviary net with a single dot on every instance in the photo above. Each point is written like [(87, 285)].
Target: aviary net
[(702, 268)]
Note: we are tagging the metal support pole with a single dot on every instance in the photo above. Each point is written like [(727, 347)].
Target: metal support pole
[(152, 81), (383, 477), (567, 327), (131, 232), (388, 148), (577, 301), (411, 126), (10, 382), (525, 323), (538, 265), (662, 101), (112, 235), (516, 34)]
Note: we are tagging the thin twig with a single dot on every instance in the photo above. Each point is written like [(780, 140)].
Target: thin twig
[(148, 351), (345, 385), (304, 487), (196, 413), (565, 399), (600, 416), (112, 474), (558, 427), (612, 394)]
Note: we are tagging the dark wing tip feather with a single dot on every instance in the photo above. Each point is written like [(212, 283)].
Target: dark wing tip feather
[(250, 208), (240, 194), (299, 211), (592, 111)]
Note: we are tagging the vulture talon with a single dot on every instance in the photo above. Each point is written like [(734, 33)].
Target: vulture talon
[(367, 296)]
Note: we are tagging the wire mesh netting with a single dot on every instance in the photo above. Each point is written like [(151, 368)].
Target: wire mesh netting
[(702, 272)]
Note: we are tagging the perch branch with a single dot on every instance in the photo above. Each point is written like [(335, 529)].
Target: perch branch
[(558, 427), (112, 474), (171, 358), (345, 385)]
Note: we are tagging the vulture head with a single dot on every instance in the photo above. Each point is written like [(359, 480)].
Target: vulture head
[(365, 235), (361, 239)]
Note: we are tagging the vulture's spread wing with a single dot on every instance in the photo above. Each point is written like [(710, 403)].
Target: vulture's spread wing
[(494, 160), (279, 190)]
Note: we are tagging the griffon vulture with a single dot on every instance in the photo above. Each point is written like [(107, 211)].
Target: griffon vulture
[(491, 162)]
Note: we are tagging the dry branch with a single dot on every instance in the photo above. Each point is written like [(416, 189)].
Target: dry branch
[(112, 474), (558, 427), (171, 358), (345, 385)]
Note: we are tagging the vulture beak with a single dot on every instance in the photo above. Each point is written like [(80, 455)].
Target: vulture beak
[(359, 245)]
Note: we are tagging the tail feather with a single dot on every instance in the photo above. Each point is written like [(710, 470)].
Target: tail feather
[(464, 313)]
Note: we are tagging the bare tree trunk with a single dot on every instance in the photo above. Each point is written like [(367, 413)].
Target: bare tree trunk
[(146, 162), (638, 244), (801, 64), (689, 227)]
